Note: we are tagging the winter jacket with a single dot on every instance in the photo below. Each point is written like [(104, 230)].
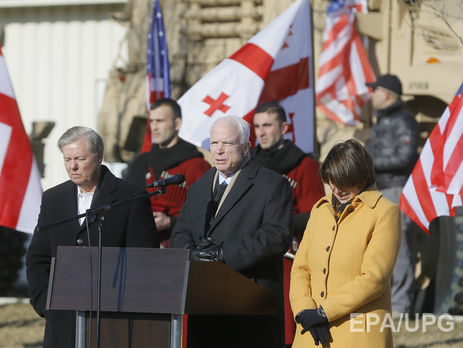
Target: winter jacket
[(393, 145), (345, 266)]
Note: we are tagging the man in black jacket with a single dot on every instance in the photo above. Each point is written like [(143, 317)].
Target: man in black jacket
[(393, 146), (169, 155), (91, 185), (237, 213)]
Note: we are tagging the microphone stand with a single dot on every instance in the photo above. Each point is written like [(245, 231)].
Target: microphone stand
[(97, 215)]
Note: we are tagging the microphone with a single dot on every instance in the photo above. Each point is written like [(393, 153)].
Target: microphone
[(173, 180)]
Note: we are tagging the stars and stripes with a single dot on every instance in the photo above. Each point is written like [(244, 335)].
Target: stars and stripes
[(20, 189), (343, 66), (435, 186), (275, 64), (157, 66)]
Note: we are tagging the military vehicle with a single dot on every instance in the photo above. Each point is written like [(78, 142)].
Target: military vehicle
[(422, 43)]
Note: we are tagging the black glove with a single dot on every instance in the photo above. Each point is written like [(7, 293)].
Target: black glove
[(314, 334), (309, 318), (206, 250), (323, 334)]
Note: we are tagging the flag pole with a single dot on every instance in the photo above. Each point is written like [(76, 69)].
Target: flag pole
[(316, 147)]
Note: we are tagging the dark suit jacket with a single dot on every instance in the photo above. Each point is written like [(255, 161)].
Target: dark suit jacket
[(253, 225), (125, 225)]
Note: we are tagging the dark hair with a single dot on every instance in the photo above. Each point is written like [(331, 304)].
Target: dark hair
[(272, 107), (348, 164), (169, 102)]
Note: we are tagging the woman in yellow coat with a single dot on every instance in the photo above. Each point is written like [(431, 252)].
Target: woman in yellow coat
[(340, 279)]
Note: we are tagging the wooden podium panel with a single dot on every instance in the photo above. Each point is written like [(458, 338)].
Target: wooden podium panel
[(141, 280), (145, 291), (134, 330)]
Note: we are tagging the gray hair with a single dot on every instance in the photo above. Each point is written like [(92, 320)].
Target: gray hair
[(93, 139), (241, 125)]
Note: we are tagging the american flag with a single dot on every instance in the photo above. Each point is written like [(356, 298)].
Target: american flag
[(157, 66), (20, 189), (343, 65), (435, 186)]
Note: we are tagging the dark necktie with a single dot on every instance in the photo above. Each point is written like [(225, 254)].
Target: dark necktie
[(219, 190)]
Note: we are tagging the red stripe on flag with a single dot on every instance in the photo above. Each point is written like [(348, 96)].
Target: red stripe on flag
[(340, 25), (254, 58), (365, 63), (408, 209), (434, 140), (285, 82), (456, 157), (422, 192), (17, 165), (330, 64)]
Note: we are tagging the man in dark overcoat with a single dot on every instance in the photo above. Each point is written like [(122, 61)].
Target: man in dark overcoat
[(237, 213), (91, 185)]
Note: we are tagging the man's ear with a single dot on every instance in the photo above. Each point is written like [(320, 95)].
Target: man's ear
[(178, 123), (284, 127), (247, 147)]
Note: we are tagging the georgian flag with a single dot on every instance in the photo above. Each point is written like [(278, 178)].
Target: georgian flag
[(20, 189), (276, 64)]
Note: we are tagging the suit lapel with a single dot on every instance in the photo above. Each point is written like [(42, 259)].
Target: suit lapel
[(69, 204), (104, 193), (241, 186)]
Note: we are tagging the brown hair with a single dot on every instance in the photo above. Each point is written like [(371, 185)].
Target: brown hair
[(348, 164)]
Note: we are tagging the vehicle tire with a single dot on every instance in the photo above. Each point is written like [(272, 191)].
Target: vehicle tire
[(449, 273), (12, 251)]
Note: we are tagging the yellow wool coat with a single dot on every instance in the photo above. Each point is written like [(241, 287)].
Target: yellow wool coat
[(346, 267)]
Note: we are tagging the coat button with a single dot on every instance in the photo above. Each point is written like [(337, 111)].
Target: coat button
[(334, 227), (322, 294), (324, 270), (328, 248), (80, 241)]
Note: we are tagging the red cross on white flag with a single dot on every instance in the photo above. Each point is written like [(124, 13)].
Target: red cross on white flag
[(20, 189), (276, 64)]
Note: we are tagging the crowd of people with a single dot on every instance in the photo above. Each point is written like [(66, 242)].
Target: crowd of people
[(255, 210)]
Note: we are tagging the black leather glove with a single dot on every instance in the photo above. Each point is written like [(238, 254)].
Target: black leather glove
[(314, 334), (309, 318), (323, 334), (206, 250)]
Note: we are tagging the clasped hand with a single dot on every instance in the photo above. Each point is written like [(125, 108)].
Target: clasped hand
[(316, 324), (207, 250)]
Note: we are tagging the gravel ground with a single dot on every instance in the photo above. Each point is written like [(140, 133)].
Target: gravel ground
[(20, 327)]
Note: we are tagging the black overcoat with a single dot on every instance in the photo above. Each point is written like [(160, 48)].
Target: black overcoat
[(125, 225), (253, 226)]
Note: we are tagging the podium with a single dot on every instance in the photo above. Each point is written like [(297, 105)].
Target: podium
[(145, 292)]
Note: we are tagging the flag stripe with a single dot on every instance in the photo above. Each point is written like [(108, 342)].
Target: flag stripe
[(254, 58), (344, 67), (30, 208), (433, 189), (406, 206), (15, 173), (286, 81)]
